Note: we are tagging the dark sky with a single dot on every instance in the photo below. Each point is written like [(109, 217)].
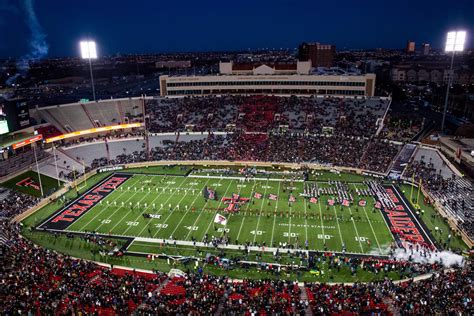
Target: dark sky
[(141, 26)]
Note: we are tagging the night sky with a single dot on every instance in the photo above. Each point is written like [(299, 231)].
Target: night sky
[(147, 26)]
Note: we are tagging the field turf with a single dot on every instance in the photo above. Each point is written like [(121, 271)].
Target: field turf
[(184, 215), (28, 183)]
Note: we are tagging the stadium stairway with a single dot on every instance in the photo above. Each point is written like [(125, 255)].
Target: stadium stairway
[(304, 298), (64, 152), (88, 115), (401, 160), (49, 117)]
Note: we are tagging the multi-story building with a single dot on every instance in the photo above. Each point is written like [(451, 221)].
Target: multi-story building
[(426, 49), (320, 55), (411, 47), (277, 79)]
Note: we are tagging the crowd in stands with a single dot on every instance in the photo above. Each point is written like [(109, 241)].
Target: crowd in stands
[(453, 192), (401, 126), (20, 161), (355, 117), (13, 203), (348, 151), (40, 281)]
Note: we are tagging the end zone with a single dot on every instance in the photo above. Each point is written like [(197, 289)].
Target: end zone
[(405, 227), (67, 215)]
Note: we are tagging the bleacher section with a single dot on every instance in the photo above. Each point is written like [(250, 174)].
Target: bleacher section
[(402, 160), (453, 192), (351, 116), (80, 116), (65, 165), (21, 161)]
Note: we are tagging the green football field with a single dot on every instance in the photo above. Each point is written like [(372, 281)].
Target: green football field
[(29, 183), (182, 213)]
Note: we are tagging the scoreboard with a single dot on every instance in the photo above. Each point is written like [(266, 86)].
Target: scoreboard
[(14, 115)]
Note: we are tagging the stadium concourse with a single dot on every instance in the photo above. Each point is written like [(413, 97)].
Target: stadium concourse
[(332, 132)]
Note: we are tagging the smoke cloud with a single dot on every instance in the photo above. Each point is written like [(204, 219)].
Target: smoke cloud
[(38, 45), (446, 258)]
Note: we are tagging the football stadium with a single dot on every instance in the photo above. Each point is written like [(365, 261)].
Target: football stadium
[(290, 192), (250, 182)]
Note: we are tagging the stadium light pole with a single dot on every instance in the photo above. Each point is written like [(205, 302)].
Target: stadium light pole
[(37, 169), (454, 43), (89, 51), (56, 164)]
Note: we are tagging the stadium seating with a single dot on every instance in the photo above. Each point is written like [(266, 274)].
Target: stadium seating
[(80, 116)]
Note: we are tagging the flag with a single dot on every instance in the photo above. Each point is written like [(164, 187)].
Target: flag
[(378, 205), (345, 202), (362, 203), (219, 219), (313, 200), (292, 198), (273, 197), (331, 202), (257, 195)]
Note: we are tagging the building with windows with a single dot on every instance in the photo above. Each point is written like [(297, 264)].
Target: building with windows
[(287, 79), (411, 47), (320, 55)]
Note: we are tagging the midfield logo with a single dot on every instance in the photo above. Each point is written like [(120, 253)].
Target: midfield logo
[(234, 202)]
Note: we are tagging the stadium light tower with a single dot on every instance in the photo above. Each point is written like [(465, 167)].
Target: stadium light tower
[(89, 51), (455, 41)]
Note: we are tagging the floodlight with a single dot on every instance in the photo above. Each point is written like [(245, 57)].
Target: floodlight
[(88, 50), (455, 41)]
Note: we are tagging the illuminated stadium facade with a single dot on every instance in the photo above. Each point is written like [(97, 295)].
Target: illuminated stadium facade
[(276, 79)]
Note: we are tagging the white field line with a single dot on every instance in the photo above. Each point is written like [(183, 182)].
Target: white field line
[(199, 216), (355, 227), (131, 209), (259, 214), (217, 210), (339, 228), (274, 216), (105, 208), (248, 206), (141, 213), (371, 227), (172, 211), (182, 217), (164, 203)]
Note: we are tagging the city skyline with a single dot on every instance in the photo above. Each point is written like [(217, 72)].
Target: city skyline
[(151, 27)]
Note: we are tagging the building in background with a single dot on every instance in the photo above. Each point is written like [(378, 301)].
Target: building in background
[(426, 49), (411, 47), (320, 55), (271, 78)]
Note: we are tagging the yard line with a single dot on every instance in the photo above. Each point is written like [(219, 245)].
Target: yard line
[(172, 211), (248, 206), (274, 216), (164, 203), (261, 208), (321, 218), (371, 227), (355, 227), (339, 228), (131, 209), (141, 213), (230, 215), (105, 208), (194, 201), (305, 222), (220, 202), (204, 206)]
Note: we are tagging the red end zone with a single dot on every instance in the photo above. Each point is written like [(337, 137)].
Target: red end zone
[(74, 210), (405, 227)]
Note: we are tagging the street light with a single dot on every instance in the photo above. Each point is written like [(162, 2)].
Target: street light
[(89, 51), (455, 41)]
